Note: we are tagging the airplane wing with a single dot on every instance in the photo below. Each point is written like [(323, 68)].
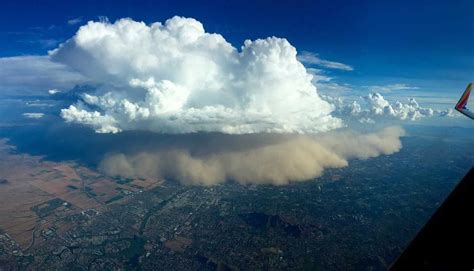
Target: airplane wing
[(462, 103), (446, 241)]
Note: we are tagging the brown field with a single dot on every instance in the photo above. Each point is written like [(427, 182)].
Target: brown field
[(30, 182), (18, 196), (68, 172), (146, 183), (81, 200), (106, 190)]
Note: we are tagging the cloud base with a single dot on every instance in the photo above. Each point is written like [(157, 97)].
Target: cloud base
[(276, 160)]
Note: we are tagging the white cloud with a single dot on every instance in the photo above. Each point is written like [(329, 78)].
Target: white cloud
[(391, 87), (38, 103), (447, 113), (279, 161), (375, 106), (74, 21), (53, 91), (326, 83), (46, 43), (101, 123), (176, 78), (103, 19), (312, 58), (33, 115), (411, 110), (28, 75)]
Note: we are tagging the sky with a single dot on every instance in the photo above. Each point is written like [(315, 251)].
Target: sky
[(425, 44), (402, 50), (321, 81)]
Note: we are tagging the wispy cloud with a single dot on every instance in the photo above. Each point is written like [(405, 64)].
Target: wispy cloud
[(391, 87), (104, 19), (312, 58), (332, 87), (34, 75), (47, 43), (46, 37), (74, 21), (325, 83), (33, 115)]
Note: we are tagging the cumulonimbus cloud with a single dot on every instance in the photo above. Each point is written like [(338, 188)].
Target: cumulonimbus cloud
[(251, 104), (177, 78), (276, 160)]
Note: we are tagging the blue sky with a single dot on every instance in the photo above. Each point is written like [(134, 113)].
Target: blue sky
[(424, 44)]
